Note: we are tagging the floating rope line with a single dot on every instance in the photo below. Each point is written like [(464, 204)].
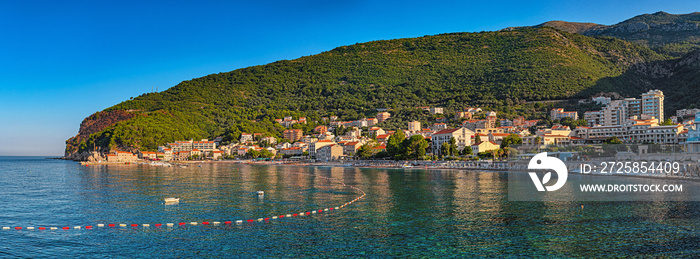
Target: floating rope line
[(209, 223)]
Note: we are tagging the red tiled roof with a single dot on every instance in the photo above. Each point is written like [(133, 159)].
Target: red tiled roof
[(446, 131), (479, 143), (555, 136)]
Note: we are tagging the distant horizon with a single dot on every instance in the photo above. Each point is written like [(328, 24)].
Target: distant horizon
[(65, 62)]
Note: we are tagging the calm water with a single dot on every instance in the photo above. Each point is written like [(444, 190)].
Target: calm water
[(413, 213)]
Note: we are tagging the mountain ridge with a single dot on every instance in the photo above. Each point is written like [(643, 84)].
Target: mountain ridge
[(670, 34)]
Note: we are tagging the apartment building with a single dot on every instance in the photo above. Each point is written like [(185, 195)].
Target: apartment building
[(463, 115), (478, 124), (314, 146), (203, 145), (653, 104), (350, 148), (593, 118), (559, 114), (617, 112), (687, 112), (330, 152), (414, 126), (462, 136), (382, 116), (293, 134)]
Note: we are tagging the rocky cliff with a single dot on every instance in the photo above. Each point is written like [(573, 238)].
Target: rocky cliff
[(91, 125)]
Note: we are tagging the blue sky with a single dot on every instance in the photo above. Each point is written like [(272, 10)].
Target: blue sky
[(61, 61)]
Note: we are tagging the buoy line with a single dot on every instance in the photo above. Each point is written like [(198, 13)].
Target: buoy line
[(209, 223)]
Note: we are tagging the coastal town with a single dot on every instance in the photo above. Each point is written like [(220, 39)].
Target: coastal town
[(626, 121)]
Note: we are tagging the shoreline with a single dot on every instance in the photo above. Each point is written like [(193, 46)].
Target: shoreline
[(349, 164), (441, 165)]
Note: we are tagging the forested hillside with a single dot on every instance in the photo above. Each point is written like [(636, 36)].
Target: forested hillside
[(496, 70)]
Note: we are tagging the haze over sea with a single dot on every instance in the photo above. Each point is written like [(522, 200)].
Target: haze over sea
[(406, 213)]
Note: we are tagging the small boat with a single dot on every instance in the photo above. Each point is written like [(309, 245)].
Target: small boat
[(261, 193), (172, 200)]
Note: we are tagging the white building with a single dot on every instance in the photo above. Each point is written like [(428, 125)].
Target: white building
[(686, 112), (436, 110), (601, 100), (414, 126), (559, 113), (314, 146), (653, 104), (462, 136)]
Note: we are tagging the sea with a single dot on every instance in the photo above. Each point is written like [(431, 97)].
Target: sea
[(406, 213)]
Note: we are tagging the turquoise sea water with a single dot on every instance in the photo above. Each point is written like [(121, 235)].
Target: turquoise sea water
[(406, 213)]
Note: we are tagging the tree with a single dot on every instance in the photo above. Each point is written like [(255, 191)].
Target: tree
[(445, 149), (466, 151), (415, 147), (453, 147), (266, 153), (252, 153), (512, 139), (477, 138), (394, 145), (667, 122), (340, 130), (613, 140), (365, 151)]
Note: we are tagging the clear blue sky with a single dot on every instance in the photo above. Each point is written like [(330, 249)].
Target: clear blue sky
[(61, 61)]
